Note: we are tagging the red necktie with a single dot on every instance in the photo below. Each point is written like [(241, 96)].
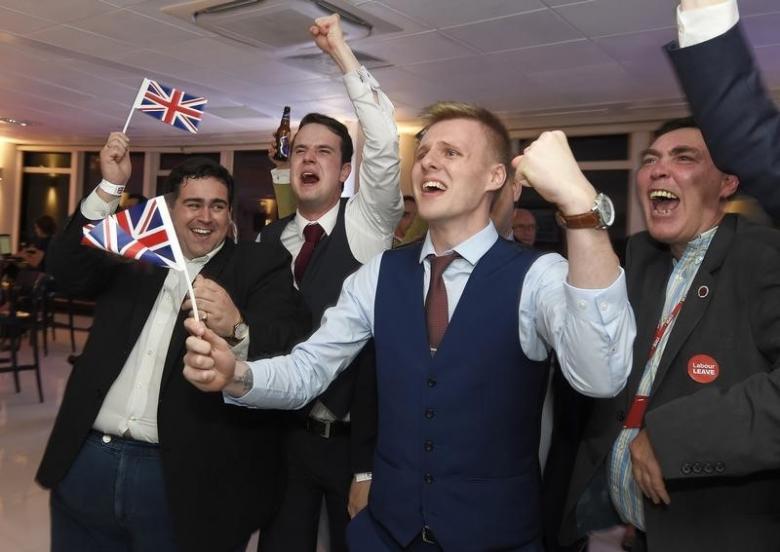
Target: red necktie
[(436, 313), (311, 235)]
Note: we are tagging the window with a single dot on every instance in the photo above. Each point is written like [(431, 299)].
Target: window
[(45, 190), (254, 204), (609, 147), (92, 173)]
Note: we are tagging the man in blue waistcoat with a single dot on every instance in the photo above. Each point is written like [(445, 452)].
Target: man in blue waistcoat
[(462, 323)]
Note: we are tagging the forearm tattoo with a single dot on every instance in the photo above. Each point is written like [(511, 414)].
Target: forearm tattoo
[(245, 380)]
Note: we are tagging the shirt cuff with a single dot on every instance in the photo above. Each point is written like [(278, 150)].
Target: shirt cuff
[(241, 349), (703, 24), (280, 176), (600, 306), (257, 397), (94, 207), (363, 476)]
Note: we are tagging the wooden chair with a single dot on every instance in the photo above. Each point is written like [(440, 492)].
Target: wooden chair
[(19, 315)]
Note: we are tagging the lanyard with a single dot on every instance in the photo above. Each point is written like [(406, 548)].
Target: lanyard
[(636, 413)]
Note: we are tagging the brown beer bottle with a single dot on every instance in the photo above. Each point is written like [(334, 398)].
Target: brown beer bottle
[(283, 137)]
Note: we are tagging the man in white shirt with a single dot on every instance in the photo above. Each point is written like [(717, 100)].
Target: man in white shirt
[(456, 460), (330, 441), (135, 458)]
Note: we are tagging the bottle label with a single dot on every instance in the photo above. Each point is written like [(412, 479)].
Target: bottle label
[(284, 147)]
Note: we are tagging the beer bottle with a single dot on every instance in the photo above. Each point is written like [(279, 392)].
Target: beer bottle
[(283, 137)]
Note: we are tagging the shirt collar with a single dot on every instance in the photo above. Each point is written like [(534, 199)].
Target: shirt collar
[(203, 259), (471, 249), (327, 221), (697, 247)]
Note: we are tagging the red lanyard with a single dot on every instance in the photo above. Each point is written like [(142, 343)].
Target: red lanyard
[(636, 413), (663, 326)]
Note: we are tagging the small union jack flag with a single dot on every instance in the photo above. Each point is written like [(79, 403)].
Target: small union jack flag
[(171, 106), (144, 232)]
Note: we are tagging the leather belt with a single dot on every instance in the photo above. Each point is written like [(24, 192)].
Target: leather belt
[(326, 430)]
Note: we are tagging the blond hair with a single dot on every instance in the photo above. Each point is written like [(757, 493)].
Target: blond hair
[(496, 132)]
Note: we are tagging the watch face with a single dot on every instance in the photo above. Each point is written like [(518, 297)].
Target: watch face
[(606, 210)]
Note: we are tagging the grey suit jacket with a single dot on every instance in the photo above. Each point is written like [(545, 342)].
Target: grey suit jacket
[(718, 443)]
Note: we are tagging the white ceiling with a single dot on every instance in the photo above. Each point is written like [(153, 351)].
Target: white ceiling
[(72, 67)]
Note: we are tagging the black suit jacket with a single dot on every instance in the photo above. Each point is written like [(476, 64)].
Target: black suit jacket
[(739, 120), (221, 462), (717, 443)]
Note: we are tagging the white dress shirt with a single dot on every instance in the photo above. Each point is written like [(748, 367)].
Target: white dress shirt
[(592, 330), (371, 215), (130, 406)]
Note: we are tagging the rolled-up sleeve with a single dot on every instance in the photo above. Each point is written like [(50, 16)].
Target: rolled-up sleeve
[(591, 330)]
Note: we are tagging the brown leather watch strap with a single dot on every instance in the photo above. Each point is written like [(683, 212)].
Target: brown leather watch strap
[(590, 219)]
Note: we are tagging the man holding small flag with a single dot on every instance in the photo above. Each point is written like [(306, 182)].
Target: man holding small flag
[(138, 458)]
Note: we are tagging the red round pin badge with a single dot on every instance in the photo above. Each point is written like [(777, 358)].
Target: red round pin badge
[(703, 368)]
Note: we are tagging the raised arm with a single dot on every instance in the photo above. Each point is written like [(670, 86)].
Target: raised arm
[(80, 270), (728, 98), (378, 205), (580, 309), (549, 166)]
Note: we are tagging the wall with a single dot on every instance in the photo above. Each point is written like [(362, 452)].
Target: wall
[(8, 188)]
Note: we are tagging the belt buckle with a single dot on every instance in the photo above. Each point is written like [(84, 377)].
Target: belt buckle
[(427, 535), (319, 427), (325, 434)]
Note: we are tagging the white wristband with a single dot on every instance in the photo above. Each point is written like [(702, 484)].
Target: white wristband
[(280, 176), (112, 189), (363, 476)]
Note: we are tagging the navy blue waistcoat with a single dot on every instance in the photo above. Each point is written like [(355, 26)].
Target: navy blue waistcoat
[(459, 431)]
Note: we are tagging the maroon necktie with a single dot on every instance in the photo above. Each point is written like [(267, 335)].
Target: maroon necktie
[(436, 302), (311, 235)]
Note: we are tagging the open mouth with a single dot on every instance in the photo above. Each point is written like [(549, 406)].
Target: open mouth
[(663, 201), (201, 231), (309, 178), (433, 187)]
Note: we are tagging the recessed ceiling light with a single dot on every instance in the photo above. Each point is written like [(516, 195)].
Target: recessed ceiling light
[(12, 121)]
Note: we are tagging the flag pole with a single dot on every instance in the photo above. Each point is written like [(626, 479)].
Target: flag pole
[(191, 293), (137, 103), (178, 255)]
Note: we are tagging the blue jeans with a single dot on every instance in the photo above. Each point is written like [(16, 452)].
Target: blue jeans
[(112, 499)]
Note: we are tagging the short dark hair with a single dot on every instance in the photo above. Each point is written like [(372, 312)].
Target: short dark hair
[(497, 134), (675, 124), (337, 128), (198, 167), (46, 224)]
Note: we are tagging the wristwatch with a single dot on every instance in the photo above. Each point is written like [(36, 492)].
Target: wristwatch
[(240, 331), (601, 216)]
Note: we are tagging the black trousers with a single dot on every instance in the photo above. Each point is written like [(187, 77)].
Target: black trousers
[(317, 468)]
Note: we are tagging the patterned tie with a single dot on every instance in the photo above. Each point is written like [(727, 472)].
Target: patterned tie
[(311, 235), (436, 314)]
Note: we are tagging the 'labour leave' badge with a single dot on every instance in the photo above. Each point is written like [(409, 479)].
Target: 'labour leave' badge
[(703, 368)]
